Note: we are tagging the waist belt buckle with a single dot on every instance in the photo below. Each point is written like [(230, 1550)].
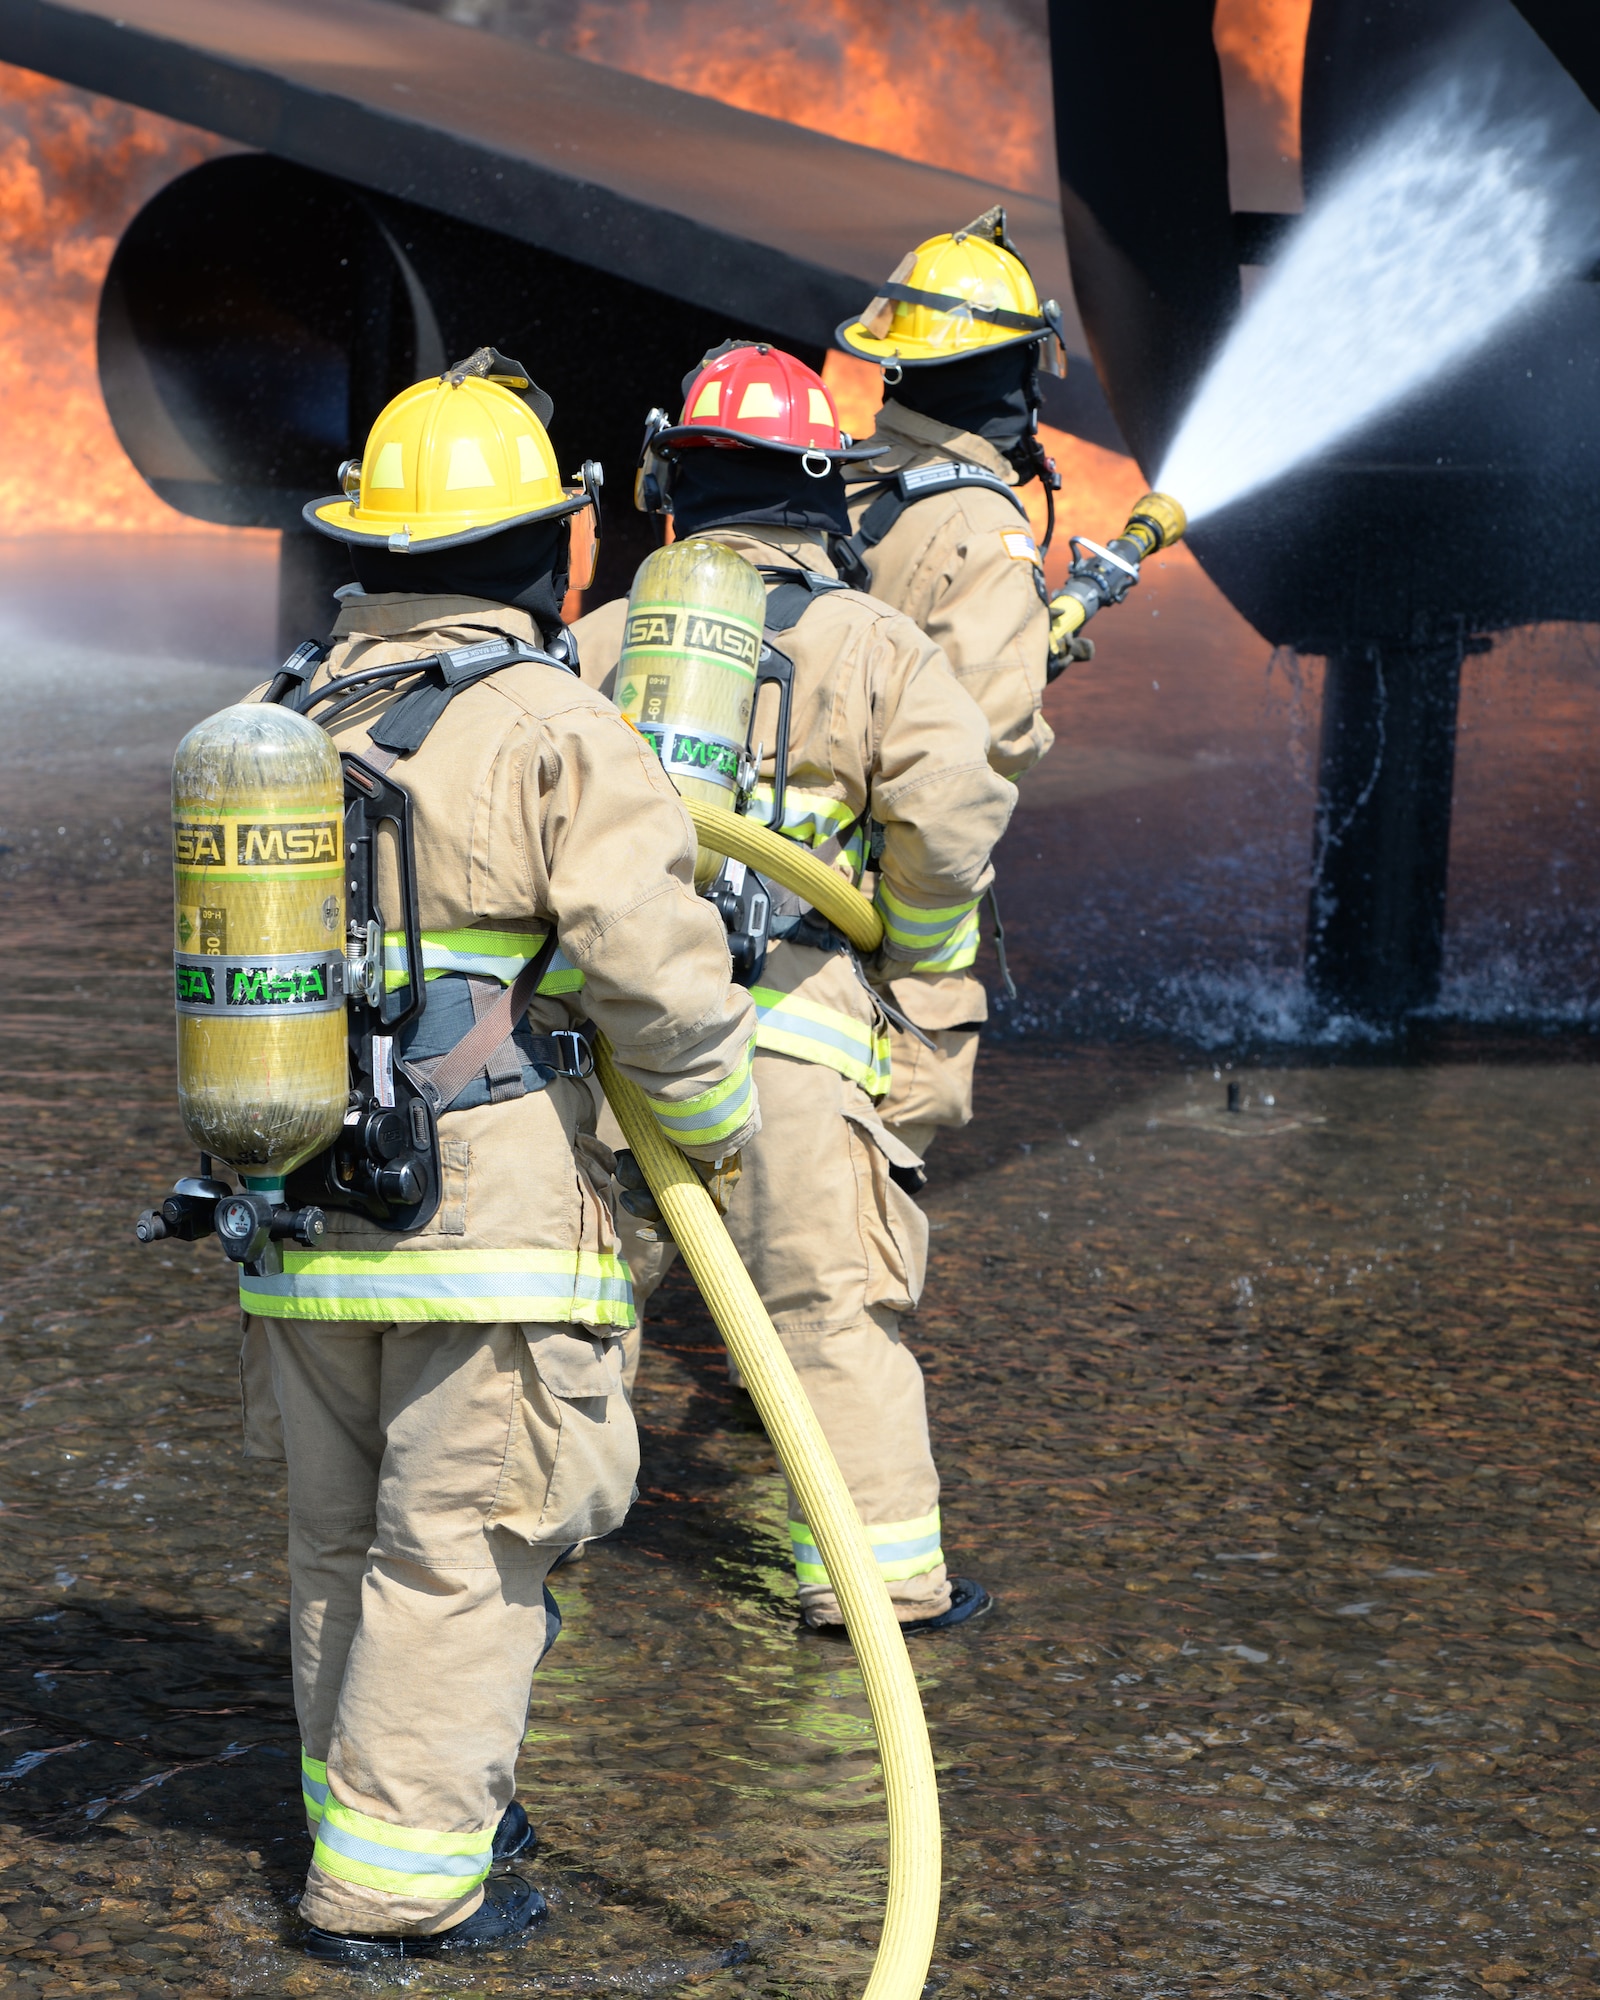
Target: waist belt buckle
[(578, 1060)]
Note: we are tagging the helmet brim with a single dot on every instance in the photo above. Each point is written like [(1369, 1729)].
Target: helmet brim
[(680, 435), (854, 338), (333, 517)]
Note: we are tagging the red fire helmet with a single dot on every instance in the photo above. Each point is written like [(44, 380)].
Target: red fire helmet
[(753, 394)]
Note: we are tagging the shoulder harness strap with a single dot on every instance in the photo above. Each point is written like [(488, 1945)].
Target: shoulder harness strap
[(793, 594), (901, 490), (424, 687)]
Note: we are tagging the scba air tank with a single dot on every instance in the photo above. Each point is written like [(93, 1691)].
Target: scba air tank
[(258, 866), (687, 676)]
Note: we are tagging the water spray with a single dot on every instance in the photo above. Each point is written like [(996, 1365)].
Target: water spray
[(1101, 576), (1454, 222)]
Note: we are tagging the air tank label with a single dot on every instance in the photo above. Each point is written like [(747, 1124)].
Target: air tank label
[(689, 754), (303, 982), (196, 845), (260, 845), (670, 628), (202, 930)]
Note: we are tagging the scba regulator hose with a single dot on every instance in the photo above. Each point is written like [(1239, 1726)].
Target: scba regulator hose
[(912, 1910)]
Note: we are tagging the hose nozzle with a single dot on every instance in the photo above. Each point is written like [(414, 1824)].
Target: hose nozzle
[(1156, 522), (1101, 576)]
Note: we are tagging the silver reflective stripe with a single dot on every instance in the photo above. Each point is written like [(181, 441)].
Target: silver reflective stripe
[(857, 1045), (403, 1860), (723, 1116), (435, 1285), (253, 989)]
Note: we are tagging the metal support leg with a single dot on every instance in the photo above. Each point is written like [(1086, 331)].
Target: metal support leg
[(1375, 937)]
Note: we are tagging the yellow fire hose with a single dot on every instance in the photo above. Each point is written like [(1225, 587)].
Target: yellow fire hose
[(825, 890), (912, 1909)]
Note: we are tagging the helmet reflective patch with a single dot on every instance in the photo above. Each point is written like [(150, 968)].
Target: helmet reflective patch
[(530, 466), (388, 468), (709, 401), (817, 403), (468, 466), (758, 400), (1020, 545)]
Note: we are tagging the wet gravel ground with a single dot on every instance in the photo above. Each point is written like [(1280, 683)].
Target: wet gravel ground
[(1272, 1431)]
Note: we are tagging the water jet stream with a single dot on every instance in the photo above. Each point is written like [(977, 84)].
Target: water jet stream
[(1441, 233)]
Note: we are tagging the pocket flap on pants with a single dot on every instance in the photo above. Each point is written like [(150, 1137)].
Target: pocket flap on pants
[(894, 1150), (573, 1364)]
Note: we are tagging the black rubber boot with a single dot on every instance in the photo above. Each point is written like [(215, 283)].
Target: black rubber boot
[(514, 1838), (508, 1913), (968, 1600)]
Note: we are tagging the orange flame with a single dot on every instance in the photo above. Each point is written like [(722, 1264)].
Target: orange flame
[(1265, 41), (958, 83), (73, 171), (1261, 47)]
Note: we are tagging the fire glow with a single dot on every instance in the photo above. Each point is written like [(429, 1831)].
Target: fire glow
[(73, 170), (959, 83)]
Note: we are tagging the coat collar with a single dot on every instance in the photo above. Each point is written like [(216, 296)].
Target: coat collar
[(396, 614), (910, 435), (787, 548)]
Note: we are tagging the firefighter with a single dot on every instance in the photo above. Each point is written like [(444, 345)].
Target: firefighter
[(450, 1400), (939, 530), (887, 770)]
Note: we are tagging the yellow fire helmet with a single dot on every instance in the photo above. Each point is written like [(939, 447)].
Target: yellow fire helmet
[(952, 296), (454, 459)]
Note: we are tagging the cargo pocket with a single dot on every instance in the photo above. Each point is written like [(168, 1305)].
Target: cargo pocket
[(573, 1451), (258, 1399), (933, 1086), (893, 1229)]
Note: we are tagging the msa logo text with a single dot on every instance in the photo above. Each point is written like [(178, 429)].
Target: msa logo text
[(720, 636), (196, 985), (280, 845), (270, 986), (198, 846), (651, 628), (694, 753)]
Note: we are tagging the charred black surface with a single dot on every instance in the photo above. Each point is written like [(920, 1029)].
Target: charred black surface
[(257, 316), (1143, 156)]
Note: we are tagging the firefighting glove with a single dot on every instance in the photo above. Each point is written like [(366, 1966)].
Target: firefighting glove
[(1066, 645), (717, 1177)]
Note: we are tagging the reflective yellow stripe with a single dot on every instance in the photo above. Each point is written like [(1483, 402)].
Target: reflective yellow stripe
[(590, 1287), (812, 819), (960, 952), (927, 934), (902, 1548), (401, 1860), (703, 1120), (489, 954), (313, 1785), (790, 1026)]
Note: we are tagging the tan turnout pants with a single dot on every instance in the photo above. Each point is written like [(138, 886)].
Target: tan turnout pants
[(932, 1088), (838, 1253), (435, 1473)]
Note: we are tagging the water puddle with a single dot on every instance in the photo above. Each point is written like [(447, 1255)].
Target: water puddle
[(1279, 1457)]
